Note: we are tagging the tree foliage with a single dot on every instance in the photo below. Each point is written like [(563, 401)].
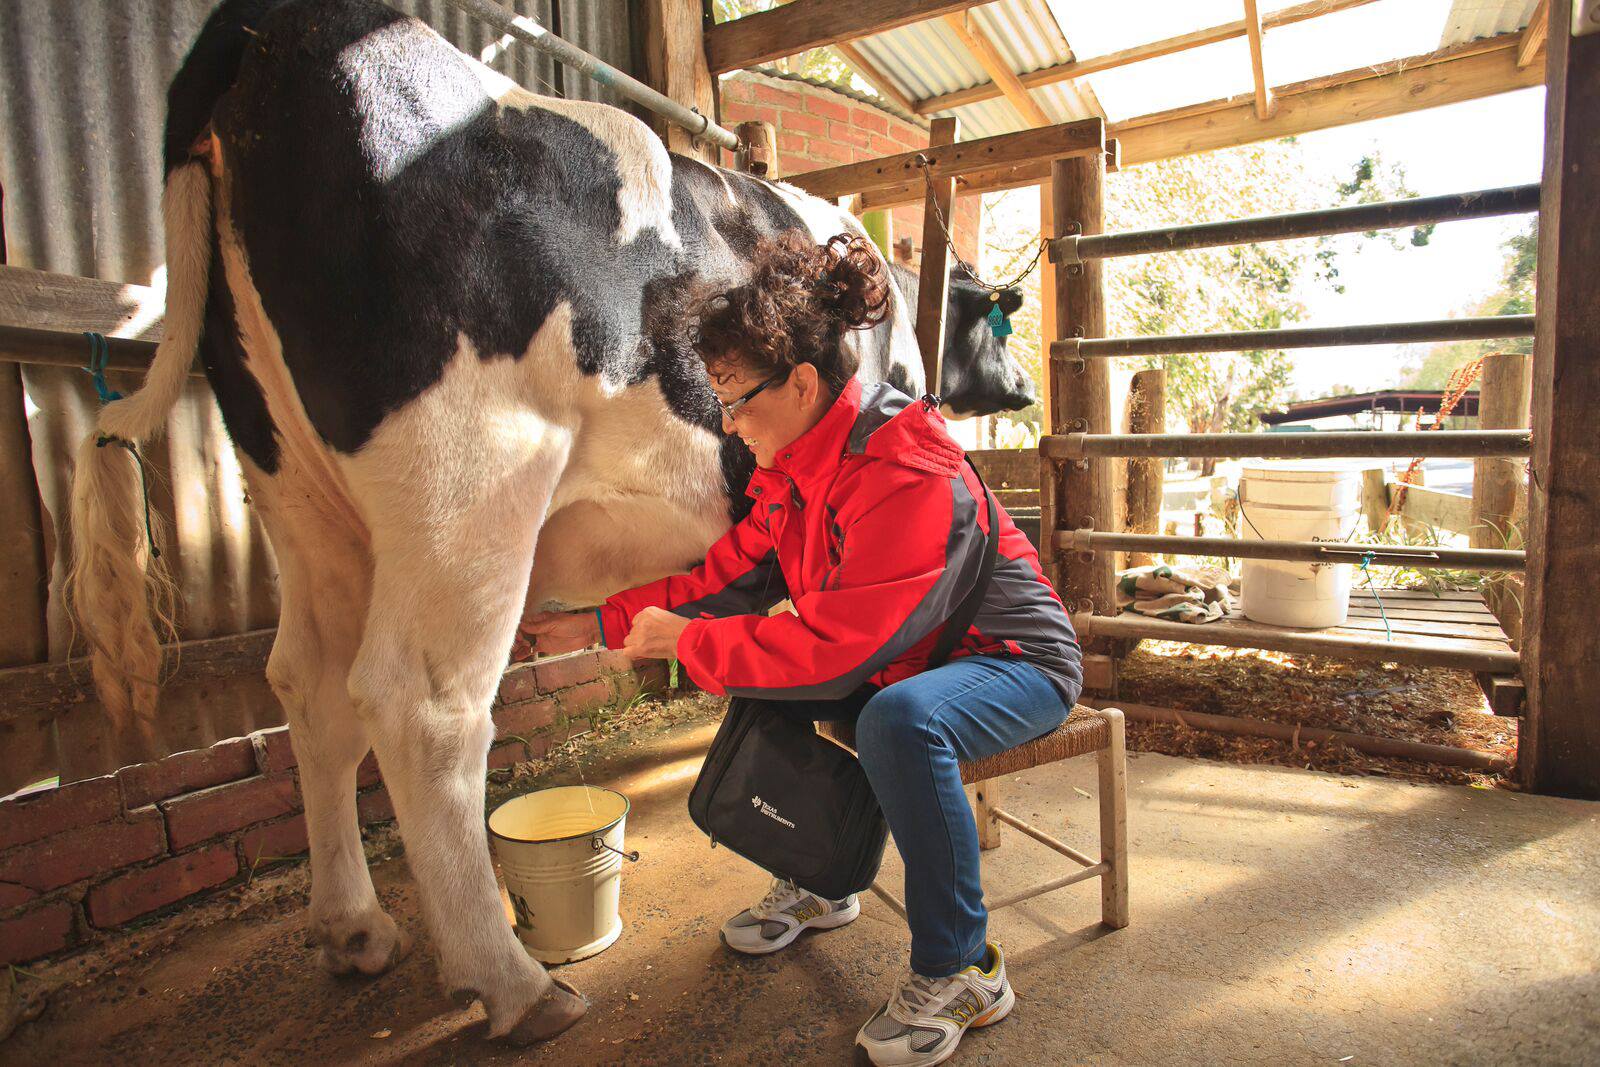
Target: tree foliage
[(1513, 297)]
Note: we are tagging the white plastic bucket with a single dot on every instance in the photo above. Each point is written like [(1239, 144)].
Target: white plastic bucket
[(561, 853), (1297, 501)]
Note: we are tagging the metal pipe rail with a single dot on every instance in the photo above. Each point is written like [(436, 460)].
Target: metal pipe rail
[(1473, 329), (1517, 199), (1467, 559), (1363, 444), (535, 36)]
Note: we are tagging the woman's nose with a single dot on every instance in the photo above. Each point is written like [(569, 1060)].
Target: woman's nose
[(727, 424)]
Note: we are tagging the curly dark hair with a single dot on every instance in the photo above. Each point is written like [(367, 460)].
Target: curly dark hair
[(796, 307)]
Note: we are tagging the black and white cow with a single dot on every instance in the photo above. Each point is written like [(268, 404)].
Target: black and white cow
[(979, 376), (434, 308)]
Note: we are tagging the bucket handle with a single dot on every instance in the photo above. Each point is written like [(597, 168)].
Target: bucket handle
[(598, 844)]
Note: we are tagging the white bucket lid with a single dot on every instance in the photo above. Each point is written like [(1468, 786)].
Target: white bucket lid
[(1306, 470)]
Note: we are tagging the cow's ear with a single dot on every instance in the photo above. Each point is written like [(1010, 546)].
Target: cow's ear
[(1010, 301)]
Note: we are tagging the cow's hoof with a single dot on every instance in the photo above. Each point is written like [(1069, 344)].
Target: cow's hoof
[(552, 1013), (368, 944)]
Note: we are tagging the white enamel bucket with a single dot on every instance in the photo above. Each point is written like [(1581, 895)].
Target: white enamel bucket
[(561, 853)]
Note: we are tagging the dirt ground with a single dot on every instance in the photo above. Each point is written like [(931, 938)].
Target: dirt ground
[(1279, 916), (1428, 704)]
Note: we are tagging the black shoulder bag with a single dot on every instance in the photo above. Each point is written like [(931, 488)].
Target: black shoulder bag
[(796, 803)]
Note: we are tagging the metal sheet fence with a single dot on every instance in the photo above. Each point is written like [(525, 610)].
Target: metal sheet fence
[(82, 104)]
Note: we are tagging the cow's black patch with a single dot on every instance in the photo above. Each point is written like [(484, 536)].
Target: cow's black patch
[(978, 376)]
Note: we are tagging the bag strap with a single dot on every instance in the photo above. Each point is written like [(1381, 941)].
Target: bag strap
[(960, 620)]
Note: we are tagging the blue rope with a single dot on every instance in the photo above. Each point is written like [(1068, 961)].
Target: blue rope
[(1366, 560), (99, 356)]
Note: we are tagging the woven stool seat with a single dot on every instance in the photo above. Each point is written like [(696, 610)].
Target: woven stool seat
[(1085, 731)]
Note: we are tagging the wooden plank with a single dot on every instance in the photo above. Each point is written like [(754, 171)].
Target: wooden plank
[(934, 294), (1559, 748), (1423, 594), (975, 41), (805, 24), (875, 77), (1499, 485), (675, 66), (1534, 34), (24, 575), (1356, 624), (1450, 512), (1081, 390), (1482, 68), (1084, 137), (1007, 468), (1506, 694), (1397, 613), (1464, 654), (1252, 25), (1079, 68), (63, 303)]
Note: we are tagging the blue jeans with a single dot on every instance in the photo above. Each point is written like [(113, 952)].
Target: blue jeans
[(910, 737)]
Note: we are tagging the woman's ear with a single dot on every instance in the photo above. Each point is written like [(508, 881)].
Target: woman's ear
[(807, 382)]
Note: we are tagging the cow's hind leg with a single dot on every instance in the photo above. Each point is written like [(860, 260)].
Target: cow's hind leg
[(453, 538)]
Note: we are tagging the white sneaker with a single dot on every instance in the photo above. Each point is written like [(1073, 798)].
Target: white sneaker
[(923, 1022), (780, 916)]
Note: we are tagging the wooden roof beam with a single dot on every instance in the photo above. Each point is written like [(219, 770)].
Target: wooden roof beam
[(975, 41), (1534, 33), (1138, 54), (1252, 24), (806, 24)]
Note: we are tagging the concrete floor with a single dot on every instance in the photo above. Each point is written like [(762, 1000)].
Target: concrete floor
[(1278, 917)]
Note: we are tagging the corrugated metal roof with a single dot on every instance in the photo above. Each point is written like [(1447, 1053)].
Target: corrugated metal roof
[(1469, 20)]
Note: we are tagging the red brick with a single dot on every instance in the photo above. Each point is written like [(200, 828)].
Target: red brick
[(12, 894), (518, 683), (374, 807), (36, 933), (836, 153), (273, 751), (136, 893), (277, 840), (771, 94), (567, 671), (850, 135), (827, 107), (614, 660), (50, 811), (184, 772), (737, 89), (197, 816), (789, 141), (868, 119), (65, 858), (367, 772), (582, 699), (884, 146), (509, 752), (522, 719), (803, 123)]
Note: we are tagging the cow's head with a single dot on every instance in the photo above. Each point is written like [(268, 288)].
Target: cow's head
[(980, 377)]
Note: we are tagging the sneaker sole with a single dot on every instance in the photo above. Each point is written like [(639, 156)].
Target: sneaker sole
[(998, 1011), (831, 921)]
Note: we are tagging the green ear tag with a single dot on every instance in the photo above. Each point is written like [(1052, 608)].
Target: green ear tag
[(999, 322)]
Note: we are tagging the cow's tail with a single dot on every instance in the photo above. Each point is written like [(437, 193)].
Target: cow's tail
[(118, 588)]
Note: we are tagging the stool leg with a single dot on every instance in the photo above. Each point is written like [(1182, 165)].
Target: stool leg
[(1114, 823), (986, 797)]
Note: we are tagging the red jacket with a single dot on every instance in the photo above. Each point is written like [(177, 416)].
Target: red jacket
[(870, 523)]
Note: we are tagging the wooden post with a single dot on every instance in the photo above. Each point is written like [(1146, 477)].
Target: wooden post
[(985, 798), (1113, 774), (759, 155), (1498, 487), (1147, 413), (1375, 498), (675, 65), (935, 274), (1080, 391), (1559, 747)]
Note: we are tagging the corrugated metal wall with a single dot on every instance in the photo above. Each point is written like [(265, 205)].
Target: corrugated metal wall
[(82, 104)]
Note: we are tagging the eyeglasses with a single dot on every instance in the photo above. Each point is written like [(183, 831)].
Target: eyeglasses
[(731, 408)]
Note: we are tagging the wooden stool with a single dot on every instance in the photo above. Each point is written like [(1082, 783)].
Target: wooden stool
[(1086, 730)]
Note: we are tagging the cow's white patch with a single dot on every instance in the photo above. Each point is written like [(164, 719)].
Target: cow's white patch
[(645, 168)]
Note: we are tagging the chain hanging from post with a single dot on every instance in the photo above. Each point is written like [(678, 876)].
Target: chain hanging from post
[(999, 322)]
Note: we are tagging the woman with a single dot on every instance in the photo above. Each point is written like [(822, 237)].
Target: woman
[(867, 518)]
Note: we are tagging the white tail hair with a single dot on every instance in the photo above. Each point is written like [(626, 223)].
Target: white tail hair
[(118, 588)]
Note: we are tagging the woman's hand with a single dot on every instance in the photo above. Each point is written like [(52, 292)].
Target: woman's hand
[(654, 635), (555, 632)]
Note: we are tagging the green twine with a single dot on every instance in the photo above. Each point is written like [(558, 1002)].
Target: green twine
[(99, 356), (1366, 560), (672, 673)]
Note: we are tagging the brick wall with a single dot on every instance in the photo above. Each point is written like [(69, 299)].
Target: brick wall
[(819, 127), (90, 856)]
